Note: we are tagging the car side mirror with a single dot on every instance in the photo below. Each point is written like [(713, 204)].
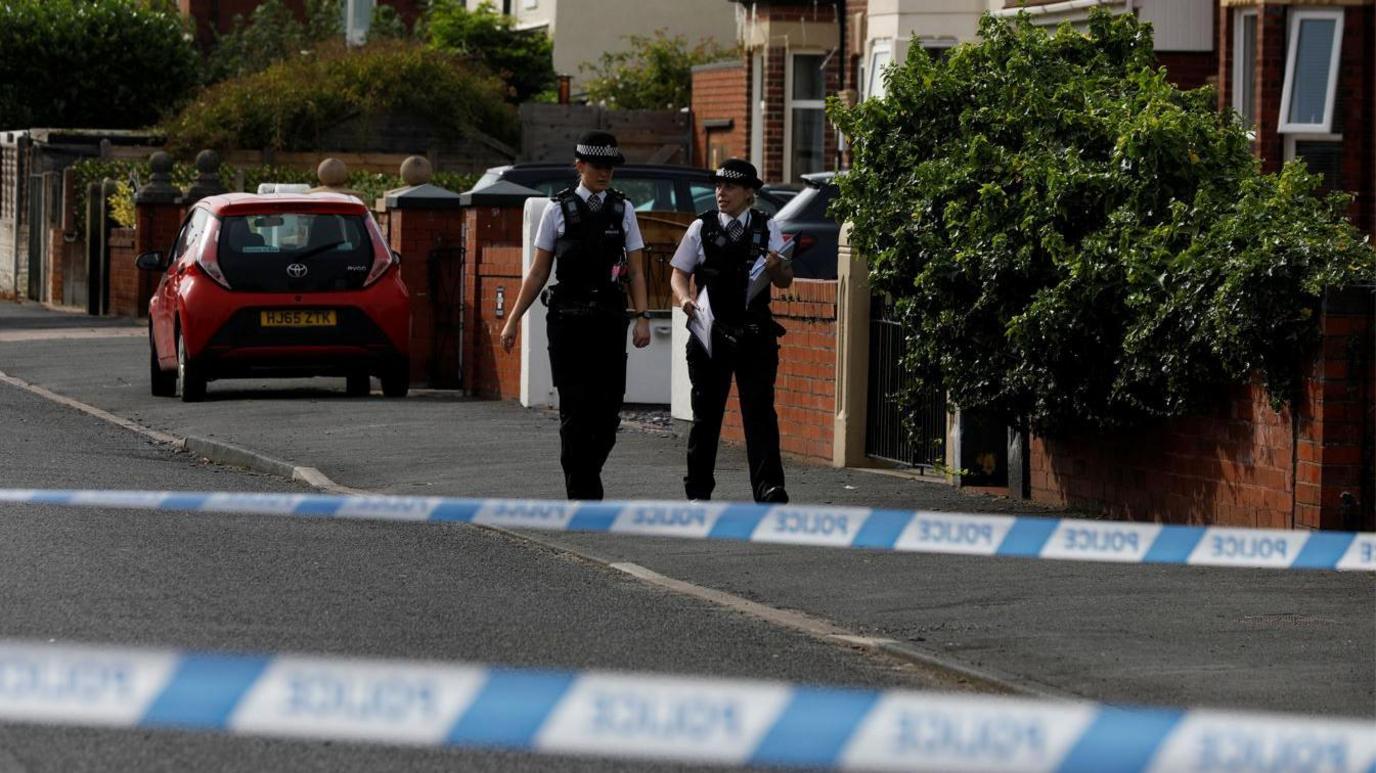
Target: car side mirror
[(150, 261), (396, 257)]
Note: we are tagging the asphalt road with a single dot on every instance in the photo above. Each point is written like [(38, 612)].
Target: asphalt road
[(245, 583), (1164, 635)]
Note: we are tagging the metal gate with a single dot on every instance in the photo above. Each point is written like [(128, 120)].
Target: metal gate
[(446, 303), (892, 433)]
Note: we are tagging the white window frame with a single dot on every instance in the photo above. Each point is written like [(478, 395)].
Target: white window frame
[(529, 4), (807, 104), (1238, 27), (1291, 140), (873, 74), (1296, 21)]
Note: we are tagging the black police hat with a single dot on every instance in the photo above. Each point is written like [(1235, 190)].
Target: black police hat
[(740, 172), (599, 148)]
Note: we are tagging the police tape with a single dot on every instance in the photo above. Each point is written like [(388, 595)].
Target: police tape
[(648, 716), (919, 531)]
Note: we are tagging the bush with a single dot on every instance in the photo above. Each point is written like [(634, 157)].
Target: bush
[(1070, 241), (523, 59), (290, 105), (654, 73), (109, 64), (271, 34)]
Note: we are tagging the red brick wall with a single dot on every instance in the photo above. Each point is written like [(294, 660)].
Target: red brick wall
[(1246, 465), (124, 276), (721, 92), (805, 390), (1189, 69), (492, 240)]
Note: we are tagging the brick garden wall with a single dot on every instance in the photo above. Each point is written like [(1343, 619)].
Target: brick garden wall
[(805, 390), (1246, 464), (124, 276)]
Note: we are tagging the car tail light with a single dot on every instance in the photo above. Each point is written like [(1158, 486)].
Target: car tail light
[(805, 243), (209, 260), (381, 262)]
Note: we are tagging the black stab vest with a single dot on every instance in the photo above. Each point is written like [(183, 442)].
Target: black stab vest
[(725, 270), (592, 244)]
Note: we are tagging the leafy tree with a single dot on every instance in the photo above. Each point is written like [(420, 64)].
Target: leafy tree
[(524, 59), (113, 64), (271, 34), (1070, 241), (291, 104), (655, 73), (387, 24)]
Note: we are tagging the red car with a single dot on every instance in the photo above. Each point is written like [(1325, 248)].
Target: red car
[(278, 285)]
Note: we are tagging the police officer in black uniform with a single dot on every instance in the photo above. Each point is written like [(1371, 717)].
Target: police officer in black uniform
[(589, 235), (724, 252)]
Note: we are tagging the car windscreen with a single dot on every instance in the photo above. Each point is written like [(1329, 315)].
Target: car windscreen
[(295, 252)]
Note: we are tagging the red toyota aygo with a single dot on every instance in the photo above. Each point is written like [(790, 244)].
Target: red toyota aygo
[(278, 286)]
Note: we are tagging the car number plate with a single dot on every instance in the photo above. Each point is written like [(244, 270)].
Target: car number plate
[(297, 318)]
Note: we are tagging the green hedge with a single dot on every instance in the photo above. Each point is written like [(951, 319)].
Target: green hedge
[(1072, 242), (292, 104), (110, 64)]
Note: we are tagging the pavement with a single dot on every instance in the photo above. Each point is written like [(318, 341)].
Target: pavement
[(1163, 635)]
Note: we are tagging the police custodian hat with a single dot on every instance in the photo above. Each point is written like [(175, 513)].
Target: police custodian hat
[(599, 148), (738, 171)]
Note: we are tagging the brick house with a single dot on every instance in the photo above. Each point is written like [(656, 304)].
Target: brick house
[(769, 105)]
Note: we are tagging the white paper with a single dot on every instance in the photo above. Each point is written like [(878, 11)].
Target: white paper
[(759, 281), (700, 322)]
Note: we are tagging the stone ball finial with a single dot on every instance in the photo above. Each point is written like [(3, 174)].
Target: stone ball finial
[(332, 173), (208, 162), (416, 170), (161, 165)]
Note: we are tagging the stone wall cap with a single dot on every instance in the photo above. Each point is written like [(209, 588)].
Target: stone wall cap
[(499, 193), (425, 196)]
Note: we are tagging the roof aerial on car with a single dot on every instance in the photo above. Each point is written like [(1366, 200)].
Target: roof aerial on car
[(256, 203)]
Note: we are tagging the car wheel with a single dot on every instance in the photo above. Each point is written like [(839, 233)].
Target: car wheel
[(396, 379), (189, 375), (358, 384), (163, 383)]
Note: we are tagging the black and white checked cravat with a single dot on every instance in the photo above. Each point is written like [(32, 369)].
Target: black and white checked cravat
[(735, 230), (595, 203)]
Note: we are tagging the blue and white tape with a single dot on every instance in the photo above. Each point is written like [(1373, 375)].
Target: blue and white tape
[(644, 716), (898, 530)]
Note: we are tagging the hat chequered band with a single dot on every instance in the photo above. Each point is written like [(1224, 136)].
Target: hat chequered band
[(732, 174), (610, 151)]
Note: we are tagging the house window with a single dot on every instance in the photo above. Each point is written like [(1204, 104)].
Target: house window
[(880, 58), (807, 121), (358, 17), (1245, 66), (1321, 154), (1311, 71)]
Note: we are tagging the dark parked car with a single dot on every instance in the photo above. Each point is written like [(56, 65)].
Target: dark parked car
[(657, 187), (804, 222)]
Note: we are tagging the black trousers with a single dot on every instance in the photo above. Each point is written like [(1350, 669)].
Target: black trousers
[(587, 354), (754, 362)]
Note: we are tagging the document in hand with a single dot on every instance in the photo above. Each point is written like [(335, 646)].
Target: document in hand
[(759, 281), (700, 322)]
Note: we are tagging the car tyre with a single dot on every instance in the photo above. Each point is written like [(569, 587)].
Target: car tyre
[(189, 375), (358, 384), (163, 383), (396, 379)]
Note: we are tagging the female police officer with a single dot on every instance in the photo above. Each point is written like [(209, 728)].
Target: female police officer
[(590, 236), (722, 251)]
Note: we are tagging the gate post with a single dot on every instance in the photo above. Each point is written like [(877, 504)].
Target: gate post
[(425, 228), (156, 219), (852, 355)]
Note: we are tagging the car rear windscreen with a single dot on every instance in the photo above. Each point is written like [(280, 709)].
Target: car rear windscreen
[(295, 252)]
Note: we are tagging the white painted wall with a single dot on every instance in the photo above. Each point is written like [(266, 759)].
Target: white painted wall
[(1180, 25), (583, 29)]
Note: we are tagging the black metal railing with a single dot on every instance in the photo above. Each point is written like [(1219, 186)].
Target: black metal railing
[(893, 432)]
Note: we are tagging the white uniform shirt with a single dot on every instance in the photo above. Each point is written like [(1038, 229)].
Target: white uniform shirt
[(689, 254), (552, 224)]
